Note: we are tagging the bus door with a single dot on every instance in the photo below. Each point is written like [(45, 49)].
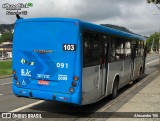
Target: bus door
[(133, 56), (103, 64)]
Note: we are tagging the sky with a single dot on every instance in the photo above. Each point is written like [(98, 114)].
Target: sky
[(136, 15)]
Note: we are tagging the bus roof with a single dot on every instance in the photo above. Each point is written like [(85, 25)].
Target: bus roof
[(112, 31), (87, 25)]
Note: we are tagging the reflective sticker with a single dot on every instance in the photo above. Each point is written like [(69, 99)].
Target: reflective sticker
[(21, 91), (42, 82), (63, 98)]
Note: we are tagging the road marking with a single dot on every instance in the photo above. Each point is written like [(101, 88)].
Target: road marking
[(6, 83), (27, 106), (152, 61)]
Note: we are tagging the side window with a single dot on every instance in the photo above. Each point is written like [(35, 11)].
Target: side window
[(117, 49), (142, 48), (136, 47), (127, 49), (113, 50), (139, 48), (90, 49)]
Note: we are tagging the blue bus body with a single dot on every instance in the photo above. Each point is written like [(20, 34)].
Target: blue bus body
[(48, 58)]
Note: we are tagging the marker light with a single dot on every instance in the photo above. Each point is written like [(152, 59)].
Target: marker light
[(71, 89), (17, 83), (75, 78), (74, 84), (14, 72)]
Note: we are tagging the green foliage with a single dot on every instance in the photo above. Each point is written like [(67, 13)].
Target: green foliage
[(6, 28), (153, 42), (7, 36), (5, 68), (117, 27), (153, 1)]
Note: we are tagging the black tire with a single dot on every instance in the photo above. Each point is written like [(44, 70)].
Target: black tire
[(140, 74), (115, 89)]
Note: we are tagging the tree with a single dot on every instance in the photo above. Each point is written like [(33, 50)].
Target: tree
[(153, 42), (121, 28), (153, 1), (6, 37)]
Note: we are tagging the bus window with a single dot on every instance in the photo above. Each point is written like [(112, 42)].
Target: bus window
[(117, 49), (90, 49), (138, 49), (142, 48), (127, 49)]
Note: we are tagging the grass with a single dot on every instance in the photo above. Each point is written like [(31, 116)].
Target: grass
[(5, 68)]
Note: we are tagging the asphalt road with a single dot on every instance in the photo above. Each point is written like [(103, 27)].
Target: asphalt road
[(10, 103)]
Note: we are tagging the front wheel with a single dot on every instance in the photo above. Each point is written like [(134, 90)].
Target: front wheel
[(115, 89)]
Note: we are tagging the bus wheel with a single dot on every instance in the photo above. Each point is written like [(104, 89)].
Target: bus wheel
[(140, 74), (115, 89)]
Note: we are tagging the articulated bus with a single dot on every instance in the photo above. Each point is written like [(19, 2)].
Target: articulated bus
[(72, 61)]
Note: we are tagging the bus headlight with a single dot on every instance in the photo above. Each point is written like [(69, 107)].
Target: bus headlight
[(71, 89)]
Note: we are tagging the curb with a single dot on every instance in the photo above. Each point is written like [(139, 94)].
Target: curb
[(7, 76), (151, 55)]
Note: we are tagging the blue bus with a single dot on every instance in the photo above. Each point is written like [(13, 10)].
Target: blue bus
[(72, 61)]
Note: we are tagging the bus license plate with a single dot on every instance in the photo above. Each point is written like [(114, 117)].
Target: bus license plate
[(42, 82)]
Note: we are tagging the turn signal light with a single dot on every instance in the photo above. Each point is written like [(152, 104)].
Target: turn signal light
[(75, 78)]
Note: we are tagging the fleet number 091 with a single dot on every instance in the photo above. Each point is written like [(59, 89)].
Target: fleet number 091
[(62, 65)]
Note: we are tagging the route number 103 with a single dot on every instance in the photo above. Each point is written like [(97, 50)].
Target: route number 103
[(69, 47)]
